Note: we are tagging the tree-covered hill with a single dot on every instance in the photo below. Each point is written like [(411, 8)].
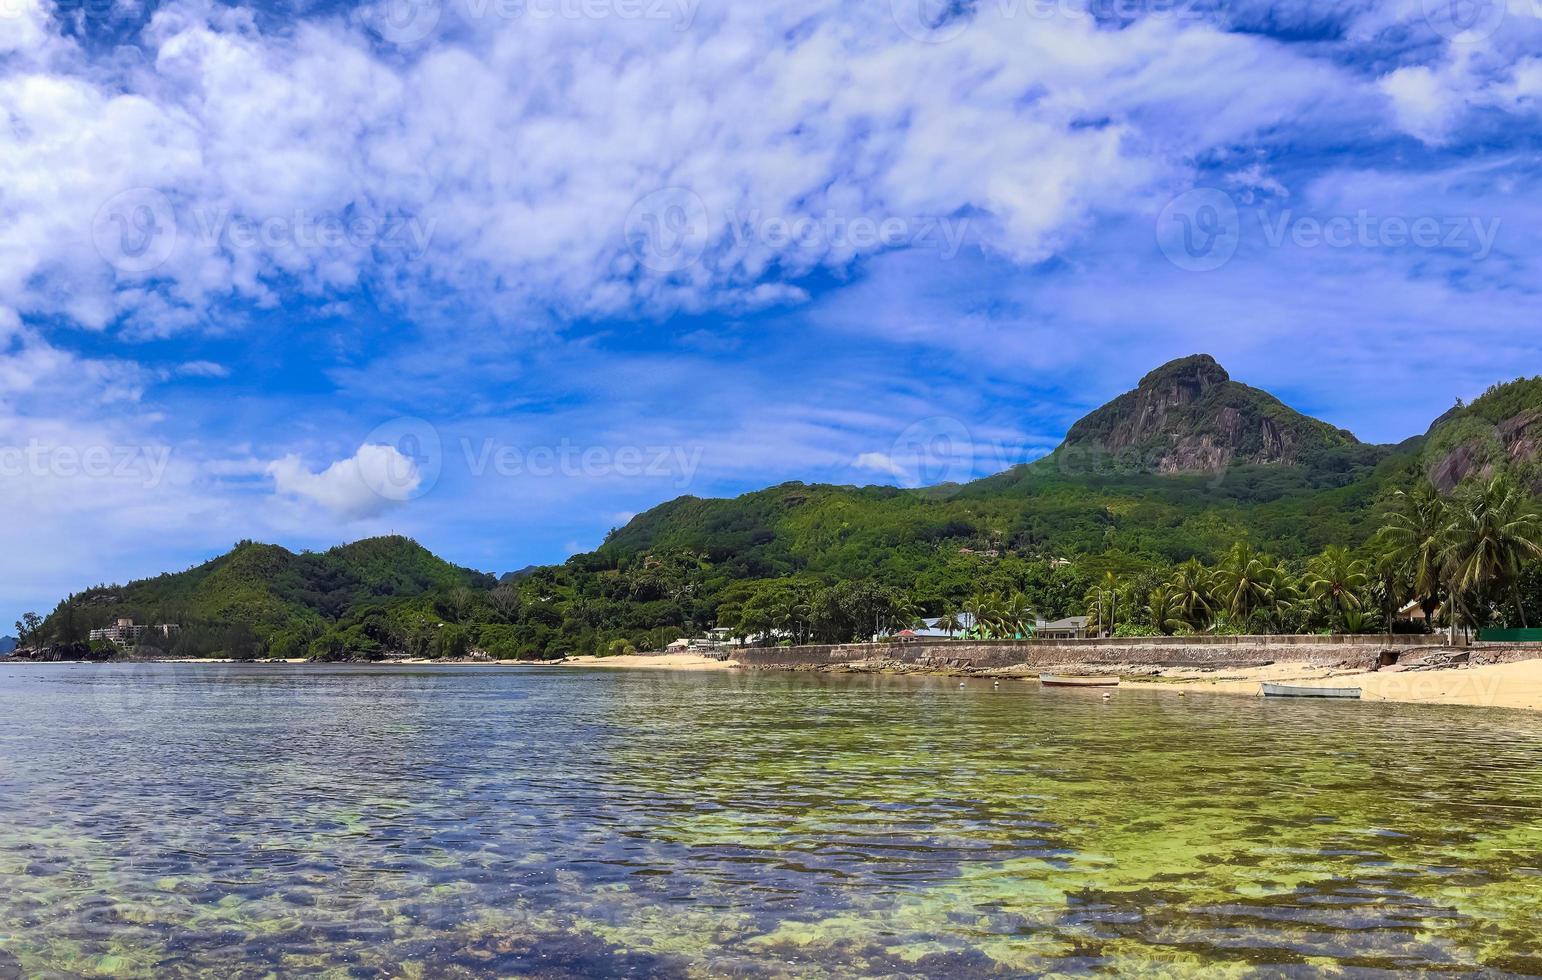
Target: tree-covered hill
[(1185, 466), (256, 593)]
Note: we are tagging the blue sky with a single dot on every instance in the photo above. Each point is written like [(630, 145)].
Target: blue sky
[(500, 275)]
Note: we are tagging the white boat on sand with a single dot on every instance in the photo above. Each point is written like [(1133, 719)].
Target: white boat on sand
[(1269, 690)]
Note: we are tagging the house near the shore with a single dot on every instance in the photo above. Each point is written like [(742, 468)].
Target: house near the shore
[(1070, 628), (716, 638), (929, 630), (1413, 612)]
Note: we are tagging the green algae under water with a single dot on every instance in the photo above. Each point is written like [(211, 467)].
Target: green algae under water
[(269, 821)]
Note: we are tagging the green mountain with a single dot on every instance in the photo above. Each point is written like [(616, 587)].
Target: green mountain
[(1183, 466)]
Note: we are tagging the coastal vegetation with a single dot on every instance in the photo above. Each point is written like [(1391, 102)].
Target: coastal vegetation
[(1193, 504)]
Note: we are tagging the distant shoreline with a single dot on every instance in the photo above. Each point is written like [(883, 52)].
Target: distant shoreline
[(1514, 685)]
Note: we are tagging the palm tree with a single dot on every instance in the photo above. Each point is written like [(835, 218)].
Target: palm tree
[(1016, 615), (1103, 597), (1191, 590), (1166, 610), (1336, 582), (1411, 541), (981, 611), (1277, 596), (1242, 581), (1492, 529), (950, 622), (792, 614), (906, 613)]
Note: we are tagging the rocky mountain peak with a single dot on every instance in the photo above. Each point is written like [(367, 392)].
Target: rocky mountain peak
[(1188, 416)]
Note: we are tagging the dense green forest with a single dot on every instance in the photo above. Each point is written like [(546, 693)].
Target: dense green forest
[(1192, 503)]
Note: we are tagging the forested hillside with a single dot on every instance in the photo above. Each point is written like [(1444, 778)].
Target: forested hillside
[(1175, 474)]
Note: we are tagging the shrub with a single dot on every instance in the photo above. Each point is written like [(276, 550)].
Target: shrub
[(1135, 630)]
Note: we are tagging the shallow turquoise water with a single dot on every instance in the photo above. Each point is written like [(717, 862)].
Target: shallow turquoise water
[(254, 821)]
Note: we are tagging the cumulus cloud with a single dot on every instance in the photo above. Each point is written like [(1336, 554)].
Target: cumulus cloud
[(595, 165), (367, 484)]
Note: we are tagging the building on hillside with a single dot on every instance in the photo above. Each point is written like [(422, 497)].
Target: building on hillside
[(126, 632)]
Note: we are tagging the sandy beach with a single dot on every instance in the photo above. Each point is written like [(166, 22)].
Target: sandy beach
[(662, 661), (1512, 685), (1509, 685)]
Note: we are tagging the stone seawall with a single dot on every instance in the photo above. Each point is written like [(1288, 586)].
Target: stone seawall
[(1361, 652)]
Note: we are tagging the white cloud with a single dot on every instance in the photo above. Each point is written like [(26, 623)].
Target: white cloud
[(367, 484), (202, 369), (880, 463), (502, 160), (1426, 106)]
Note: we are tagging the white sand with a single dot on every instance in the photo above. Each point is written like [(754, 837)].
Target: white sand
[(1513, 685)]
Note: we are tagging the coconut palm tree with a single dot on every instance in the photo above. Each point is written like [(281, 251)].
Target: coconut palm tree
[(1411, 541), (1336, 582), (950, 621), (1277, 596), (1016, 615), (792, 616), (1242, 580), (1102, 602), (1492, 529), (905, 613), (1166, 610), (1190, 587), (982, 612)]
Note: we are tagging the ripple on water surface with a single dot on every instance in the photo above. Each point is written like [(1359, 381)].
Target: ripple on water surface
[(166, 820)]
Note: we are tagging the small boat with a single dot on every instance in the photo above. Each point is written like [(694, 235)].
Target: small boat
[(1062, 680), (1296, 691)]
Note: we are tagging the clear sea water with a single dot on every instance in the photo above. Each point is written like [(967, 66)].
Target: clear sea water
[(263, 821)]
